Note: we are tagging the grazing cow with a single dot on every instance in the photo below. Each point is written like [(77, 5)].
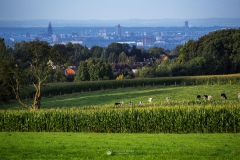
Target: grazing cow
[(223, 96), (131, 103), (119, 103), (168, 99), (238, 95), (198, 97), (141, 102), (205, 97), (209, 98), (150, 100)]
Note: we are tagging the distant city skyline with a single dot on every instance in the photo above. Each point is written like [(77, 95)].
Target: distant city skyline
[(118, 9)]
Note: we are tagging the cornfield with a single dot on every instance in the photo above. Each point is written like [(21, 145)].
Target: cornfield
[(175, 118)]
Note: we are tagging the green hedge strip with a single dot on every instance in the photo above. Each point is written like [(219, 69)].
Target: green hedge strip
[(73, 87)]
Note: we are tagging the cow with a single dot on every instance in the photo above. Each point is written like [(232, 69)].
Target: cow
[(119, 103), (223, 96), (198, 97), (238, 95), (131, 103), (168, 99), (209, 98), (205, 97), (150, 100), (141, 102)]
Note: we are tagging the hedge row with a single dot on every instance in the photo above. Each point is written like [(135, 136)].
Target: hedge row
[(73, 87)]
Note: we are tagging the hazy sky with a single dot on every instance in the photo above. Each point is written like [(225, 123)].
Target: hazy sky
[(118, 9)]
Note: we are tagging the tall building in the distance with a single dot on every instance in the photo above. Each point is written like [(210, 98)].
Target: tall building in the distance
[(186, 27), (118, 30), (147, 41), (50, 30)]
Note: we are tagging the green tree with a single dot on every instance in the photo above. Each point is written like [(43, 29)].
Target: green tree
[(82, 72), (235, 56), (122, 57), (145, 72), (99, 69), (76, 57), (85, 53), (59, 75), (96, 51), (176, 51), (113, 58), (5, 72), (196, 66), (37, 60), (163, 69), (136, 52), (41, 57), (131, 60), (117, 48), (156, 52), (104, 55)]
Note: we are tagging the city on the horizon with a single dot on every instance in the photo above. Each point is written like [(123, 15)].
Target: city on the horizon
[(142, 23), (142, 37)]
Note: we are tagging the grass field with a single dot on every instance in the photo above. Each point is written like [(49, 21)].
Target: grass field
[(107, 98), (55, 145)]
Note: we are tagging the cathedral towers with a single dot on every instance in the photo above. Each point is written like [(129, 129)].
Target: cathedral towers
[(50, 31)]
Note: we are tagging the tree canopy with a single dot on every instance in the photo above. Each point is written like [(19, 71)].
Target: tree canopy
[(219, 50)]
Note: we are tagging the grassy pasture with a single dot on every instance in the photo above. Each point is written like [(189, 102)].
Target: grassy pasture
[(55, 145), (107, 98)]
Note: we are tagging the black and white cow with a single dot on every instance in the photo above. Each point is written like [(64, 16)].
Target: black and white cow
[(223, 96), (198, 97), (131, 103), (205, 97), (119, 103)]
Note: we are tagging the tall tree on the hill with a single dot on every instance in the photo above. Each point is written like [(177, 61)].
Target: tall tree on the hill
[(38, 59)]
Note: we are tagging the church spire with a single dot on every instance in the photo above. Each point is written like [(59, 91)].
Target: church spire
[(50, 31)]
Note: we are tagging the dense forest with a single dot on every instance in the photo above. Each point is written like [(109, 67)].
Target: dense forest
[(38, 62)]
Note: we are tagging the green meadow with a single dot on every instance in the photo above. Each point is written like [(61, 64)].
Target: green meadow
[(56, 145), (107, 98)]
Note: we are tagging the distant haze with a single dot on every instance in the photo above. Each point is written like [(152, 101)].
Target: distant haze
[(118, 9), (233, 22)]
